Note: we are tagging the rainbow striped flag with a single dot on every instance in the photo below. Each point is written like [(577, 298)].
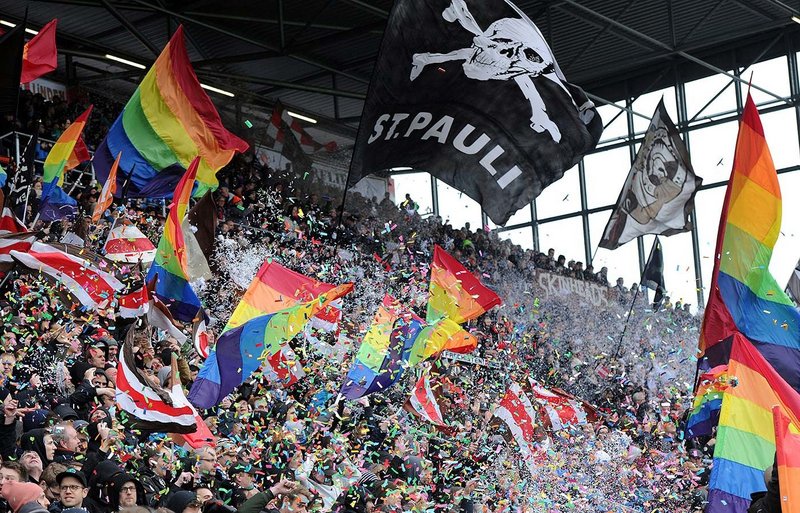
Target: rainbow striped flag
[(787, 457), (396, 340), (168, 122), (457, 295), (385, 350), (55, 203), (744, 297), (3, 176), (745, 444), (107, 194), (170, 265), (275, 288), (240, 351)]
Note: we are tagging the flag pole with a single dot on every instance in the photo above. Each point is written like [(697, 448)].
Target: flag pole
[(633, 302)]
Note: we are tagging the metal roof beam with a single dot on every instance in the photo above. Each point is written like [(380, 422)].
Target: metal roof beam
[(232, 59), (130, 28), (266, 21), (365, 6), (320, 74), (659, 44), (299, 57), (282, 84)]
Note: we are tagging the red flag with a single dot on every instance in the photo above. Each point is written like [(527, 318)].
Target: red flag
[(80, 153), (40, 56)]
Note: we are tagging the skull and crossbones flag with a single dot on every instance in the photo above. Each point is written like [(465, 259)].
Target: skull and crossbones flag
[(469, 91), (658, 195)]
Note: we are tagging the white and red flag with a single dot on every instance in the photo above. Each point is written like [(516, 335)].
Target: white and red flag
[(559, 408), (9, 223), (15, 242), (93, 287), (519, 413), (126, 243), (276, 131), (424, 403), (151, 408)]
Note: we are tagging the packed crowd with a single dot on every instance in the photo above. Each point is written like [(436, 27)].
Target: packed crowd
[(66, 446)]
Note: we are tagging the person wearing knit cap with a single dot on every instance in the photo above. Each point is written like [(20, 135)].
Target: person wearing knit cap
[(19, 495)]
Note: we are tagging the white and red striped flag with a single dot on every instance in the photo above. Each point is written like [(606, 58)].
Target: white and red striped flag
[(15, 242), (151, 408), (93, 287), (134, 304), (519, 414), (276, 131), (9, 223), (126, 243), (560, 408), (424, 403)]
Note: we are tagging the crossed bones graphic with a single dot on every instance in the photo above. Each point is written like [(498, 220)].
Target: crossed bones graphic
[(511, 48)]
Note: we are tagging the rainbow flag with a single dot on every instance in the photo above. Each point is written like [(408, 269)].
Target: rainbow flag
[(456, 294), (107, 194), (396, 340), (787, 458), (707, 401), (275, 288), (168, 122), (3, 176), (55, 203), (745, 444), (240, 351), (171, 262), (385, 350), (744, 297)]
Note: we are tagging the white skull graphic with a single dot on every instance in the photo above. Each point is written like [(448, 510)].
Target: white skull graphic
[(510, 49), (507, 49)]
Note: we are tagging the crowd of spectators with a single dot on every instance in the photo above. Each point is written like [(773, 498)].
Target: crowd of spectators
[(292, 449)]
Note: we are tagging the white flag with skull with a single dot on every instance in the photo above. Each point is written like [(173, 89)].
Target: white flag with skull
[(658, 195), (469, 91)]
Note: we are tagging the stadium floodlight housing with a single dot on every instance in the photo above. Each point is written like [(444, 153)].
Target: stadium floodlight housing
[(12, 25), (300, 116), (217, 90), (125, 61)]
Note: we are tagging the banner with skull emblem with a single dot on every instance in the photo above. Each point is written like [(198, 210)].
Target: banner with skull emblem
[(658, 195), (469, 91)]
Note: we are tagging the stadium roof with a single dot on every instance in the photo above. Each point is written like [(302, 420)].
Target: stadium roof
[(316, 56)]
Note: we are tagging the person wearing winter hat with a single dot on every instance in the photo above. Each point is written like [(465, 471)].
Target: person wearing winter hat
[(183, 501), (125, 491), (20, 495)]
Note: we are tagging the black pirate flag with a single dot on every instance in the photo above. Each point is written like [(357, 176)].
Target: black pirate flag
[(658, 194), (469, 91)]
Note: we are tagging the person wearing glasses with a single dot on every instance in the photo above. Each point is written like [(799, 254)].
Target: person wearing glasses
[(72, 491), (125, 491)]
